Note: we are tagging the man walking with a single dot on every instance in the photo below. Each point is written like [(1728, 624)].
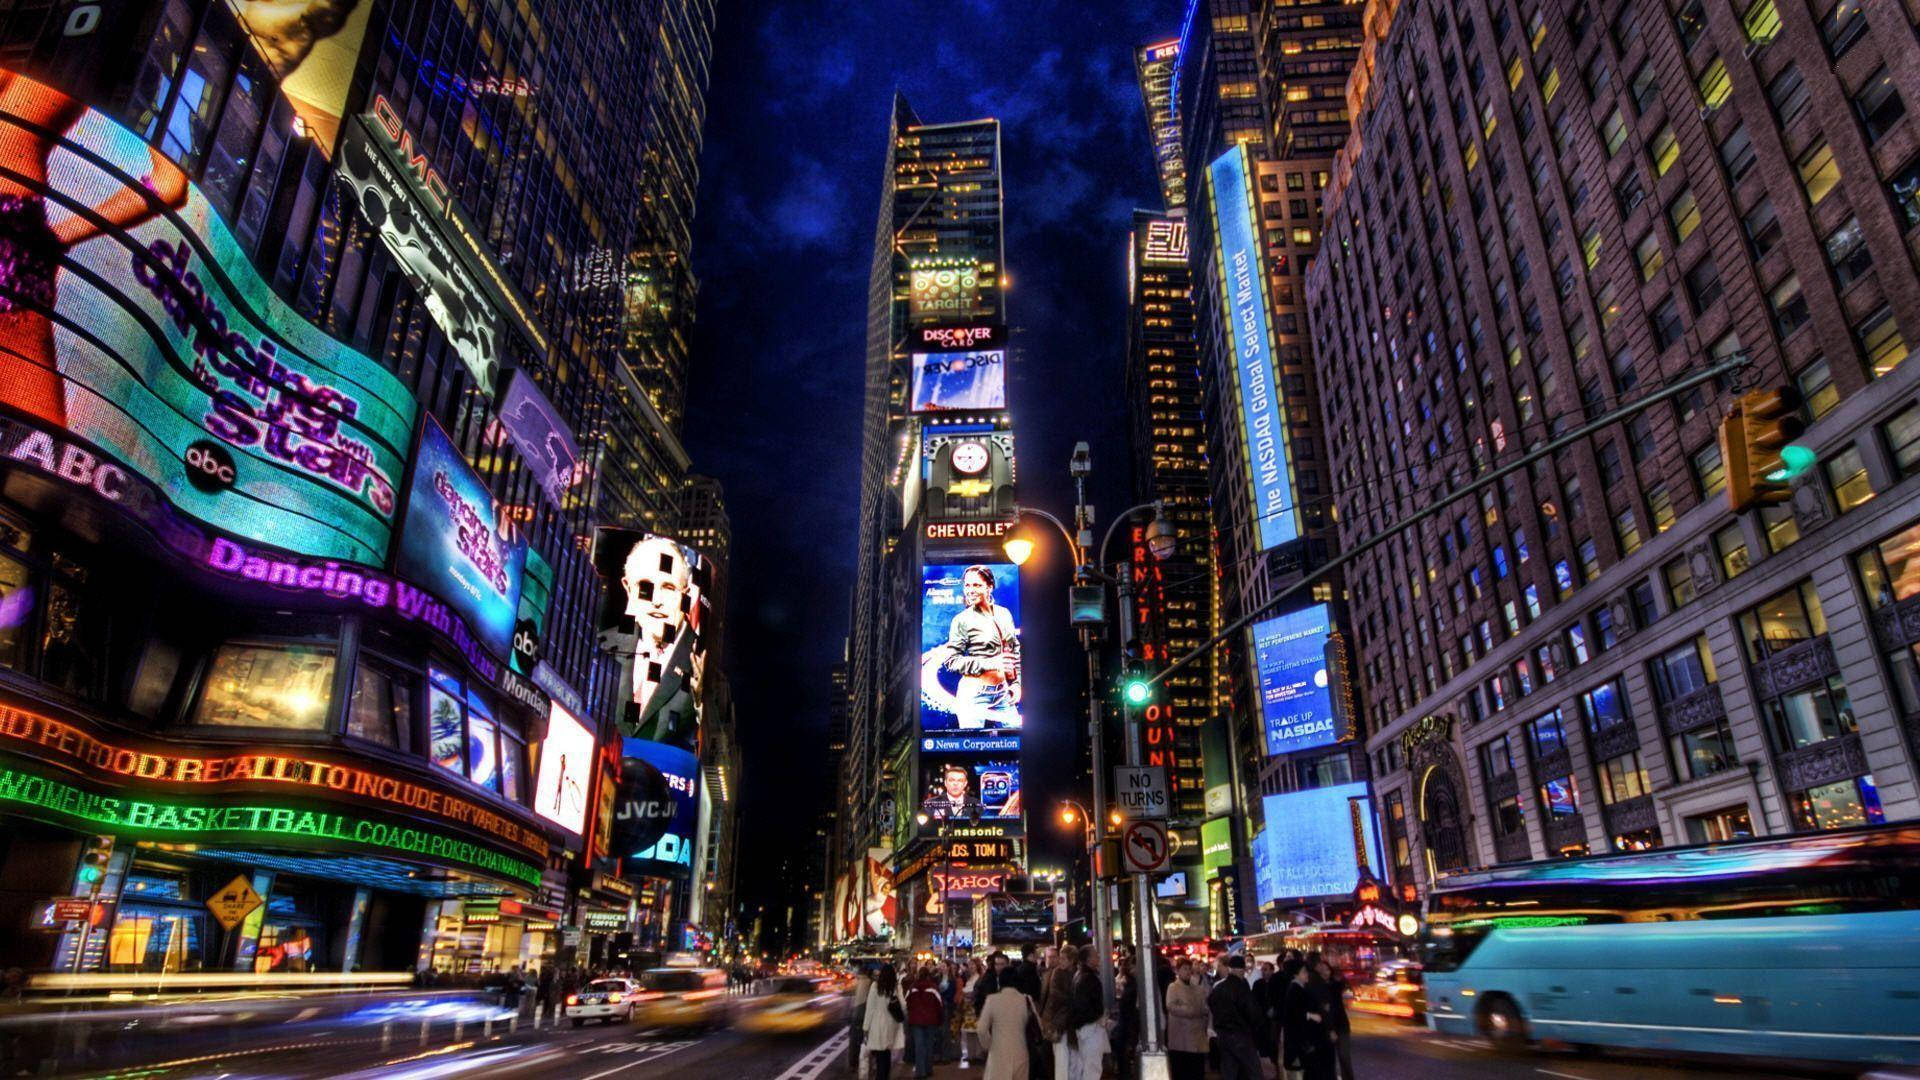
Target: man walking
[(1237, 1022)]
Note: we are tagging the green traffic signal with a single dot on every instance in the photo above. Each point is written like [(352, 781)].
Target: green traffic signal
[(1794, 460), (1138, 691)]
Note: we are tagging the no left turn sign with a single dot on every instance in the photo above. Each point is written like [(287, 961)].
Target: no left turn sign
[(1143, 846)]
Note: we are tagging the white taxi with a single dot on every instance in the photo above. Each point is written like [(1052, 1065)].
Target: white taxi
[(605, 1000)]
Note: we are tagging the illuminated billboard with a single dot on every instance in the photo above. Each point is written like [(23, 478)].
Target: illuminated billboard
[(960, 381), (942, 288), (451, 543), (1296, 695), (1241, 277), (967, 476), (881, 906), (962, 788), (957, 338), (657, 810), (141, 328), (312, 50), (1165, 241), (970, 648), (543, 436), (565, 781), (1315, 843), (657, 609)]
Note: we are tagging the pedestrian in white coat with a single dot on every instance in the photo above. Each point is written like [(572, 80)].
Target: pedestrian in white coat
[(886, 1026), (1002, 1029)]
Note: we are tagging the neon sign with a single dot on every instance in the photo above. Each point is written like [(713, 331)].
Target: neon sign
[(258, 824), (80, 747), (968, 530)]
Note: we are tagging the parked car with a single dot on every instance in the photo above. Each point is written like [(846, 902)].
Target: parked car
[(605, 1000), (683, 997)]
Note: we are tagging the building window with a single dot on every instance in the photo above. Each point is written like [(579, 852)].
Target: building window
[(1839, 805), (1496, 758), (1781, 528), (1622, 778), (1678, 576), (1847, 475), (1761, 22), (1559, 798), (1789, 306), (1788, 92), (1736, 153), (1545, 736), (466, 738), (1668, 326), (1904, 189), (382, 707), (1709, 471), (1703, 285), (1889, 574), (1665, 150), (1819, 173), (1626, 530), (1646, 610), (1878, 104), (1902, 435), (1715, 86), (1508, 817), (1614, 132), (268, 686), (1731, 545), (1720, 826), (1647, 254), (1843, 26), (1817, 389), (1762, 227), (1782, 621), (1604, 706), (1703, 751), (1847, 253), (1881, 345), (1577, 644)]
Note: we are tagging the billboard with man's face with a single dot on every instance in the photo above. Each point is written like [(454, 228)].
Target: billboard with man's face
[(963, 788), (970, 674), (656, 610)]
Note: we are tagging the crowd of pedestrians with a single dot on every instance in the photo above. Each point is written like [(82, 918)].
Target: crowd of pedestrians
[(1041, 1015)]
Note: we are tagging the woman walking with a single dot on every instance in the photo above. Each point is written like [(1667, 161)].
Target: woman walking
[(1002, 1030), (885, 1032), (1187, 1017)]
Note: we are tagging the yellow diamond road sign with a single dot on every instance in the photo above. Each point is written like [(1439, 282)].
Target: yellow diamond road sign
[(233, 903)]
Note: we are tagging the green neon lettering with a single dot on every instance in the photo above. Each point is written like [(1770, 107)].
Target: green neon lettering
[(36, 792)]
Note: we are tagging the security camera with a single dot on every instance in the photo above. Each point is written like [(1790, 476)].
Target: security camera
[(1081, 464)]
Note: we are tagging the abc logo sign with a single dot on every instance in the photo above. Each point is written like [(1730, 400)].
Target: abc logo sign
[(210, 467)]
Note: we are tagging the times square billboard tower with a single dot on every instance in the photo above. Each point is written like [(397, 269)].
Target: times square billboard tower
[(931, 775)]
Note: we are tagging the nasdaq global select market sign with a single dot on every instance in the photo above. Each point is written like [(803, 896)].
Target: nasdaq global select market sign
[(1243, 289)]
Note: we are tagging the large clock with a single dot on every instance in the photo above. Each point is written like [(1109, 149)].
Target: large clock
[(970, 458)]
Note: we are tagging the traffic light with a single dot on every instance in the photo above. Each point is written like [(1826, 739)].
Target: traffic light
[(93, 861), (1135, 689), (1756, 446)]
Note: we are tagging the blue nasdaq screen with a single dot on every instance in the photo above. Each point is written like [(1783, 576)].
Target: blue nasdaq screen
[(1296, 698), (1312, 843)]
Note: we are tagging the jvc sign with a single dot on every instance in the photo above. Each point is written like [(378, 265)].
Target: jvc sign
[(1141, 792)]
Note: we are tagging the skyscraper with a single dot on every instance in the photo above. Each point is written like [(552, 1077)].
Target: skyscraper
[(1154, 66), (1258, 156), (1540, 218), (1173, 597), (936, 495)]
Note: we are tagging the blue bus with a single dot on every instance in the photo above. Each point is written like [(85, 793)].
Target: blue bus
[(1805, 948)]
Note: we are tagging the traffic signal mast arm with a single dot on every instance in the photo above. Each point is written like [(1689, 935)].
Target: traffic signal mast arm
[(1673, 390)]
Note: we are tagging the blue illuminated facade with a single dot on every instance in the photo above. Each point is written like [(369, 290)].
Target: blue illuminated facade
[(1314, 843)]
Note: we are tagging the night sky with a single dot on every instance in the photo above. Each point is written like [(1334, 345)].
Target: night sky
[(789, 195)]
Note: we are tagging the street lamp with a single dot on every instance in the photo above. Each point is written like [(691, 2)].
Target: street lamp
[(1089, 614)]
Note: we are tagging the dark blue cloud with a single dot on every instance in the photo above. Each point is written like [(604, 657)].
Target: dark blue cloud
[(789, 196)]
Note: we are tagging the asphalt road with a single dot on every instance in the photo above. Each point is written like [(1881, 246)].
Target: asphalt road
[(1383, 1050)]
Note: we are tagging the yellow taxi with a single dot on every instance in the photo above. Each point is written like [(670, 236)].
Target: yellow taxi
[(682, 997), (789, 1005)]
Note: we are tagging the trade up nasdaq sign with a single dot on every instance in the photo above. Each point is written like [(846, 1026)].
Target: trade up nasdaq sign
[(1296, 691), (131, 320), (1243, 289)]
